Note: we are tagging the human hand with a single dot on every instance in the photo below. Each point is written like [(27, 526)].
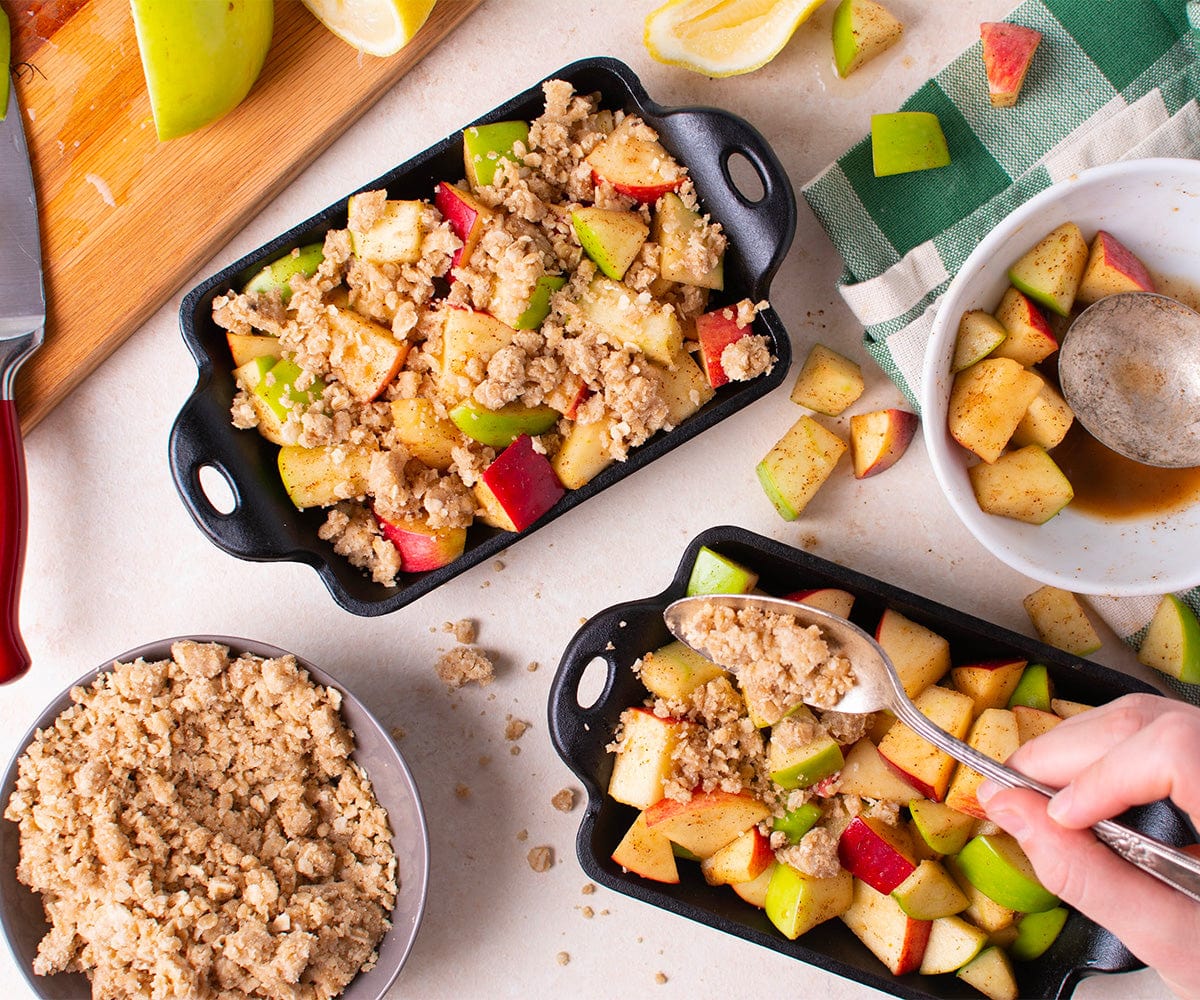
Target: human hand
[(1135, 750)]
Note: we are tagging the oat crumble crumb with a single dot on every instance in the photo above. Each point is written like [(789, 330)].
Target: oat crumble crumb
[(564, 800), (660, 978), (541, 859), (563, 958), (522, 835), (462, 791), (464, 665), (515, 728), (589, 888)]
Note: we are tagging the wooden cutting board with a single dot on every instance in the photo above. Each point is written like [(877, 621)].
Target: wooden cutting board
[(126, 220)]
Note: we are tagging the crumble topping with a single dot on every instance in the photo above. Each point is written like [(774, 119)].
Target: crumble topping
[(465, 665)]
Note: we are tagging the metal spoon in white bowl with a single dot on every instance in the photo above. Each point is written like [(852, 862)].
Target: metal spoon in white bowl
[(1129, 367), (877, 687)]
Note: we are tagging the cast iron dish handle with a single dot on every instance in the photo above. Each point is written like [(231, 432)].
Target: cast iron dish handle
[(765, 225)]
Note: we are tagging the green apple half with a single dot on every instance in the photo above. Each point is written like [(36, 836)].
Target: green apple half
[(997, 867), (713, 573), (200, 58)]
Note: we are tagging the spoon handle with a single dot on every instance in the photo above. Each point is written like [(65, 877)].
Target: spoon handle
[(1166, 863)]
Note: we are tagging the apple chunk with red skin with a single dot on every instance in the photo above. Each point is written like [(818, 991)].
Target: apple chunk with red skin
[(1029, 338), (871, 850), (467, 216), (1050, 272), (878, 439), (895, 938), (715, 331), (743, 859), (1007, 55), (1112, 268), (832, 599), (421, 547), (917, 760), (633, 165), (707, 821), (522, 483)]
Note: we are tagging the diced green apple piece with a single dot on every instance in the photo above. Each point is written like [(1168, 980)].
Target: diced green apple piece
[(320, 477), (796, 902), (1050, 272), (997, 867), (795, 823), (929, 892), (987, 402), (953, 942), (1172, 643), (979, 333), (1036, 932), (485, 145), (674, 671), (991, 973), (862, 29), (1035, 689), (713, 573), (500, 428), (943, 828), (611, 237), (1007, 55), (278, 388), (828, 382), (249, 377), (538, 308), (654, 329), (278, 274), (798, 465), (800, 764), (904, 141), (1026, 485)]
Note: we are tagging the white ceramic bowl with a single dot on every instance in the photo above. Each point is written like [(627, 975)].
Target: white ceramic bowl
[(1153, 206), (21, 913)]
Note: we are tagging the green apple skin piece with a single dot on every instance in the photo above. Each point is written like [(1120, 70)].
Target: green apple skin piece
[(500, 428), (200, 58), (929, 893), (804, 766), (539, 302), (797, 902), (797, 822), (1035, 689), (278, 274), (1050, 273), (1036, 932), (683, 853), (612, 238), (862, 29), (904, 141), (712, 573), (281, 381), (997, 867), (5, 56), (1172, 642), (943, 828), (485, 145)]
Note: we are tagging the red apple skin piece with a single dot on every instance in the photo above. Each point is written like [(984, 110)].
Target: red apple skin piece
[(423, 548), (632, 166), (467, 217), (896, 939), (870, 850), (1007, 54), (706, 822), (716, 330), (878, 439), (1112, 268), (832, 599), (523, 482), (742, 860), (1030, 338)]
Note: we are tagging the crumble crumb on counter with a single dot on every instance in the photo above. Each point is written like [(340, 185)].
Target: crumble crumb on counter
[(463, 630), (465, 665), (563, 800), (541, 859), (514, 728)]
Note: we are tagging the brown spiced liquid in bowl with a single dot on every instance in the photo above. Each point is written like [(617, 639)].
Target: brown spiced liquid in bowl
[(1108, 484)]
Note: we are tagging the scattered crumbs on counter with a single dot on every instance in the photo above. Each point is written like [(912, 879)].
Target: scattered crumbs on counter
[(563, 958), (398, 733), (660, 978), (563, 800), (532, 666), (498, 565), (541, 859), (462, 791), (589, 888), (515, 750), (587, 912), (515, 728), (522, 835), (484, 760)]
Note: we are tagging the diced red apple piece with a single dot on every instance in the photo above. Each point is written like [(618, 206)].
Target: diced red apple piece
[(583, 454), (716, 330), (876, 853), (421, 547), (990, 683), (983, 911), (468, 217), (1112, 268), (987, 402), (364, 355), (685, 389), (828, 382), (1007, 55), (878, 439), (921, 656), (522, 483), (866, 773), (832, 599), (643, 761), (741, 860), (915, 759), (708, 821), (994, 734), (1050, 272), (895, 938), (638, 167), (1029, 337), (646, 853)]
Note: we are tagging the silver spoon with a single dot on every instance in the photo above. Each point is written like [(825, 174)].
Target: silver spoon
[(877, 687), (1129, 367)]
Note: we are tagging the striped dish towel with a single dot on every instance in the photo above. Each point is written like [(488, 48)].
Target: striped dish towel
[(1112, 80)]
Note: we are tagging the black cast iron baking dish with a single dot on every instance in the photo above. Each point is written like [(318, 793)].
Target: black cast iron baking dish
[(265, 526), (624, 632)]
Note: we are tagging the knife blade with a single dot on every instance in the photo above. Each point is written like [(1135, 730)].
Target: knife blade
[(22, 319)]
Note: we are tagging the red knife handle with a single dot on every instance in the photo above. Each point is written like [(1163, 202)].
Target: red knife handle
[(14, 657)]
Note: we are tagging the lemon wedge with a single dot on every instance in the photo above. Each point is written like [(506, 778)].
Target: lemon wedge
[(376, 27), (723, 37)]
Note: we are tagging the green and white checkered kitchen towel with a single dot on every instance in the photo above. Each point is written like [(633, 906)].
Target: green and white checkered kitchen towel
[(1112, 80)]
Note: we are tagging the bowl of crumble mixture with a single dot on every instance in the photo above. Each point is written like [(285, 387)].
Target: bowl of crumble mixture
[(210, 817), (364, 351)]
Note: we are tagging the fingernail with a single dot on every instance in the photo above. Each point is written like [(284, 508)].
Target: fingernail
[(1060, 805), (1011, 821), (985, 791)]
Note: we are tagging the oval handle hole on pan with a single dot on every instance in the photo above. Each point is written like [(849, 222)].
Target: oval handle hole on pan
[(217, 489), (745, 177), (592, 682)]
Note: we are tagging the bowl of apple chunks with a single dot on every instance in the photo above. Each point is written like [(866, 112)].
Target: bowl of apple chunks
[(1024, 477), (937, 854), (282, 494)]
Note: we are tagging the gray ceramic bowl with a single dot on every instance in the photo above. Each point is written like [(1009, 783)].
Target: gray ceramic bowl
[(21, 910)]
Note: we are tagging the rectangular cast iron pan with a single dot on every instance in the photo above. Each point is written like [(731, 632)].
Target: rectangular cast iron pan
[(622, 633), (265, 526)]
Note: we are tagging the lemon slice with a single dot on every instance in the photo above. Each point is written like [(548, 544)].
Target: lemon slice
[(723, 37), (376, 27)]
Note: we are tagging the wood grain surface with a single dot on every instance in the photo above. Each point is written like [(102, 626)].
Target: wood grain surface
[(126, 219)]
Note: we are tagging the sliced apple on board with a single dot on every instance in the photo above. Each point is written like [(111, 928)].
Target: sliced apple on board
[(1007, 55), (979, 333), (610, 237), (643, 761), (429, 438), (708, 821), (796, 902), (914, 758), (634, 166), (421, 547), (1026, 485), (929, 893), (743, 859), (1029, 338), (519, 486), (468, 217), (1172, 643), (987, 402), (1112, 268), (1060, 621), (943, 828), (896, 939), (878, 439), (1046, 422), (1051, 271), (320, 477), (994, 734), (647, 853), (862, 29), (484, 146), (277, 275), (676, 228), (394, 236), (921, 656), (828, 382), (798, 465), (953, 942), (876, 853), (906, 141), (713, 573)]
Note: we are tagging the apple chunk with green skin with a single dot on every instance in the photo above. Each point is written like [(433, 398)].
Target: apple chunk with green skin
[(538, 307), (905, 141), (1112, 268), (249, 377), (467, 216), (643, 759), (277, 276), (522, 483), (1036, 932), (1172, 643), (943, 828), (421, 547), (979, 333), (713, 573), (795, 823), (500, 428), (1007, 55), (706, 822), (1026, 485), (929, 892), (633, 165), (895, 938), (798, 465), (862, 29), (876, 853), (654, 328), (320, 477), (1035, 689), (278, 387), (801, 762), (995, 864), (484, 146), (1051, 271), (675, 670), (796, 903), (646, 853), (828, 382), (741, 860), (611, 237), (953, 942), (987, 401), (1029, 337), (878, 439), (200, 58)]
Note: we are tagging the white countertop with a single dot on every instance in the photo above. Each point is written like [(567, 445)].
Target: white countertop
[(114, 560)]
